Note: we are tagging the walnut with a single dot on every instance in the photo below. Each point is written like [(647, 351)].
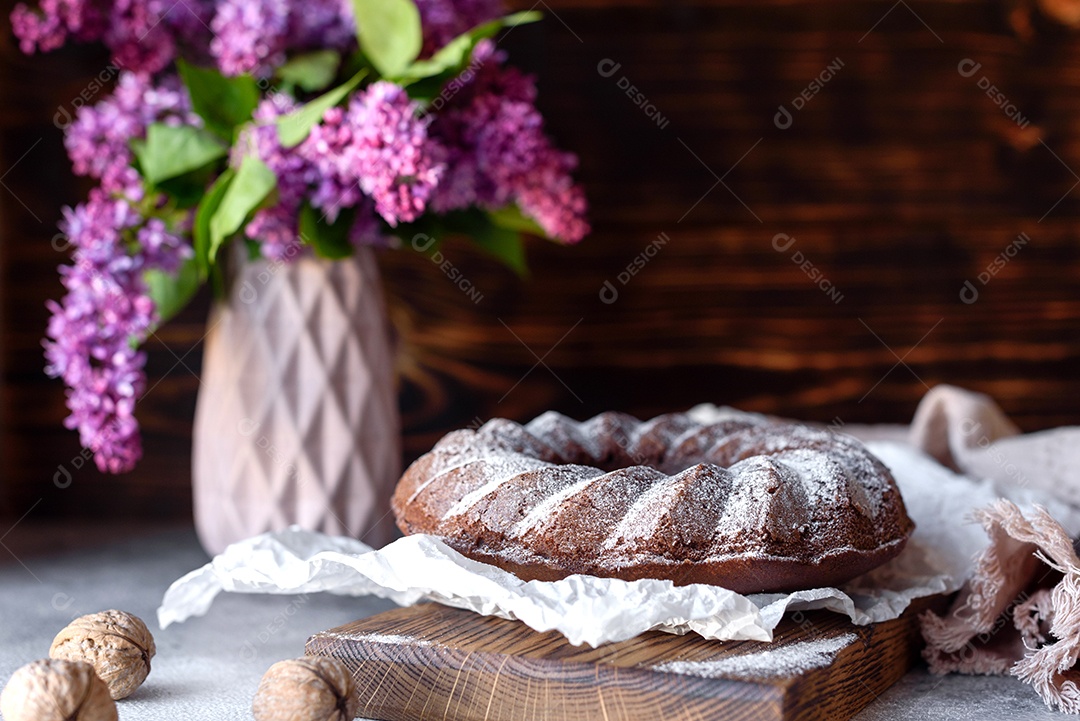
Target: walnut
[(57, 690), (313, 688), (118, 645)]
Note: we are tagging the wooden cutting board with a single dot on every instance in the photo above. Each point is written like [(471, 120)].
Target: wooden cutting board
[(433, 662)]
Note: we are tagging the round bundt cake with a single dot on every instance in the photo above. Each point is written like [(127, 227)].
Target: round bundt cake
[(746, 503)]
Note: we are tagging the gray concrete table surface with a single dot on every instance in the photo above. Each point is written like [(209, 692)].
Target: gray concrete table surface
[(209, 667)]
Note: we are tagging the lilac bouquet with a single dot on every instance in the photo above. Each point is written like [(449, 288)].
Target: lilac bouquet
[(288, 126)]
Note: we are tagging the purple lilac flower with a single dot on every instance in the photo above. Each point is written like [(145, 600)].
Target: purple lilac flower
[(276, 227), (160, 247), (190, 22), (498, 152), (252, 36), (392, 157), (94, 330), (299, 179), (262, 137), (549, 195), (336, 185), (245, 36), (140, 35), (443, 20), (366, 230), (377, 156), (322, 24), (249, 34), (378, 147), (50, 25), (98, 140)]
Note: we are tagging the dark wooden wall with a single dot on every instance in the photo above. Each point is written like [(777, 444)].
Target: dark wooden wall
[(899, 181)]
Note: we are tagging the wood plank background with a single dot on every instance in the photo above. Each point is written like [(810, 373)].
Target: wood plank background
[(899, 181)]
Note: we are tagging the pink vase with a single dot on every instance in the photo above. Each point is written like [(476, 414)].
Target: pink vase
[(297, 419)]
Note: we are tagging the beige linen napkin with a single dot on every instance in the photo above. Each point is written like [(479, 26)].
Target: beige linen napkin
[(969, 433), (1020, 612)]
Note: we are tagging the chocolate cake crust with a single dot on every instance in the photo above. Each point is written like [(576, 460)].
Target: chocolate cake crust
[(750, 504)]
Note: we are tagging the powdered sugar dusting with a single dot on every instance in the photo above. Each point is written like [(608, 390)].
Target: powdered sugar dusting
[(551, 425), (392, 639), (740, 488), (775, 662), (644, 517), (544, 509), (499, 470)]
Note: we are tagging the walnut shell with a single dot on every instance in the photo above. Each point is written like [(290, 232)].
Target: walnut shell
[(313, 688), (117, 644), (57, 690)]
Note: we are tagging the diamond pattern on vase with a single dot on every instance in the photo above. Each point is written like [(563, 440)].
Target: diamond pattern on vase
[(297, 417)]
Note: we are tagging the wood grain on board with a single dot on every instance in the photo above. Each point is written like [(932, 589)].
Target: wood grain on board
[(430, 661)]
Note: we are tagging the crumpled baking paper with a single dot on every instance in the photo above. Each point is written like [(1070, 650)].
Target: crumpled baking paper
[(593, 611)]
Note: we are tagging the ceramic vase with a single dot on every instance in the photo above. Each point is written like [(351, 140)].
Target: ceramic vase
[(297, 419)]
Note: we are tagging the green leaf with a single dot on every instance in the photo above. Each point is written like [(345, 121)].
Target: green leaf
[(170, 151), (389, 33), (519, 18), (222, 102), (511, 218), (188, 190), (208, 206), (453, 57), (295, 126), (426, 91), (171, 292), (330, 240), (505, 245), (311, 71), (253, 182), (254, 249)]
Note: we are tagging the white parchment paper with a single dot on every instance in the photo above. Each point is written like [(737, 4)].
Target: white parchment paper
[(591, 610)]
